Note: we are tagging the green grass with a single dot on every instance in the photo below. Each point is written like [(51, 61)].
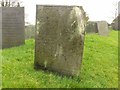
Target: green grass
[(99, 66)]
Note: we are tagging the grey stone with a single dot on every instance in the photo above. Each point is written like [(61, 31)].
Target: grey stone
[(30, 32), (59, 38), (12, 26), (116, 23), (91, 27), (102, 28)]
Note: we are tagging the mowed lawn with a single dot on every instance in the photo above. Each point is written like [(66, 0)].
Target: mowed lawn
[(99, 66)]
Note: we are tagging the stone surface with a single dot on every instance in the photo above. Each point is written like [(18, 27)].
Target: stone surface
[(59, 38), (29, 32), (102, 28), (116, 23), (91, 27), (12, 26)]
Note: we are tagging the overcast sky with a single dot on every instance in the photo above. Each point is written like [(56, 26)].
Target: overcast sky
[(96, 9)]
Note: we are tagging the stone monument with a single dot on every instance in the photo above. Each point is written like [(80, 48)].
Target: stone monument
[(91, 27), (102, 28), (59, 40), (29, 32), (12, 26)]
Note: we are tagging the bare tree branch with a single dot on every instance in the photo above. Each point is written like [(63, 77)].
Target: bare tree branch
[(10, 3)]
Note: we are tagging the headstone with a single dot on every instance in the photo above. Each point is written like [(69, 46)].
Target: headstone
[(91, 27), (102, 28), (59, 38), (29, 32), (12, 26)]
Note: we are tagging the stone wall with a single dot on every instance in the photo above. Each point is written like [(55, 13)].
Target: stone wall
[(12, 26), (59, 38)]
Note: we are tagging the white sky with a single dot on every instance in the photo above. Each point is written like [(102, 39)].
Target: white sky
[(96, 9)]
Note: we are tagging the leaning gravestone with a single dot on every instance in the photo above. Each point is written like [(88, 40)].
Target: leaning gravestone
[(59, 38), (102, 28), (12, 26), (91, 27)]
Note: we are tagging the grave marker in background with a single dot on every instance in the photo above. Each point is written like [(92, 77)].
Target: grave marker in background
[(91, 27), (12, 26), (30, 32), (102, 28)]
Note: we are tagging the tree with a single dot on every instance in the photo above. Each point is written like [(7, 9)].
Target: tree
[(115, 10), (10, 3)]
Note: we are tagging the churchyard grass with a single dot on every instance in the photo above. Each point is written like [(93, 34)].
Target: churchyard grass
[(99, 66)]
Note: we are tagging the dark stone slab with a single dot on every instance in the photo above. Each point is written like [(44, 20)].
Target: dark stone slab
[(91, 27), (12, 26)]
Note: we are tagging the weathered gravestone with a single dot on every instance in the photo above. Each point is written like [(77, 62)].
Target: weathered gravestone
[(60, 38), (12, 26), (29, 32), (91, 27), (102, 28)]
